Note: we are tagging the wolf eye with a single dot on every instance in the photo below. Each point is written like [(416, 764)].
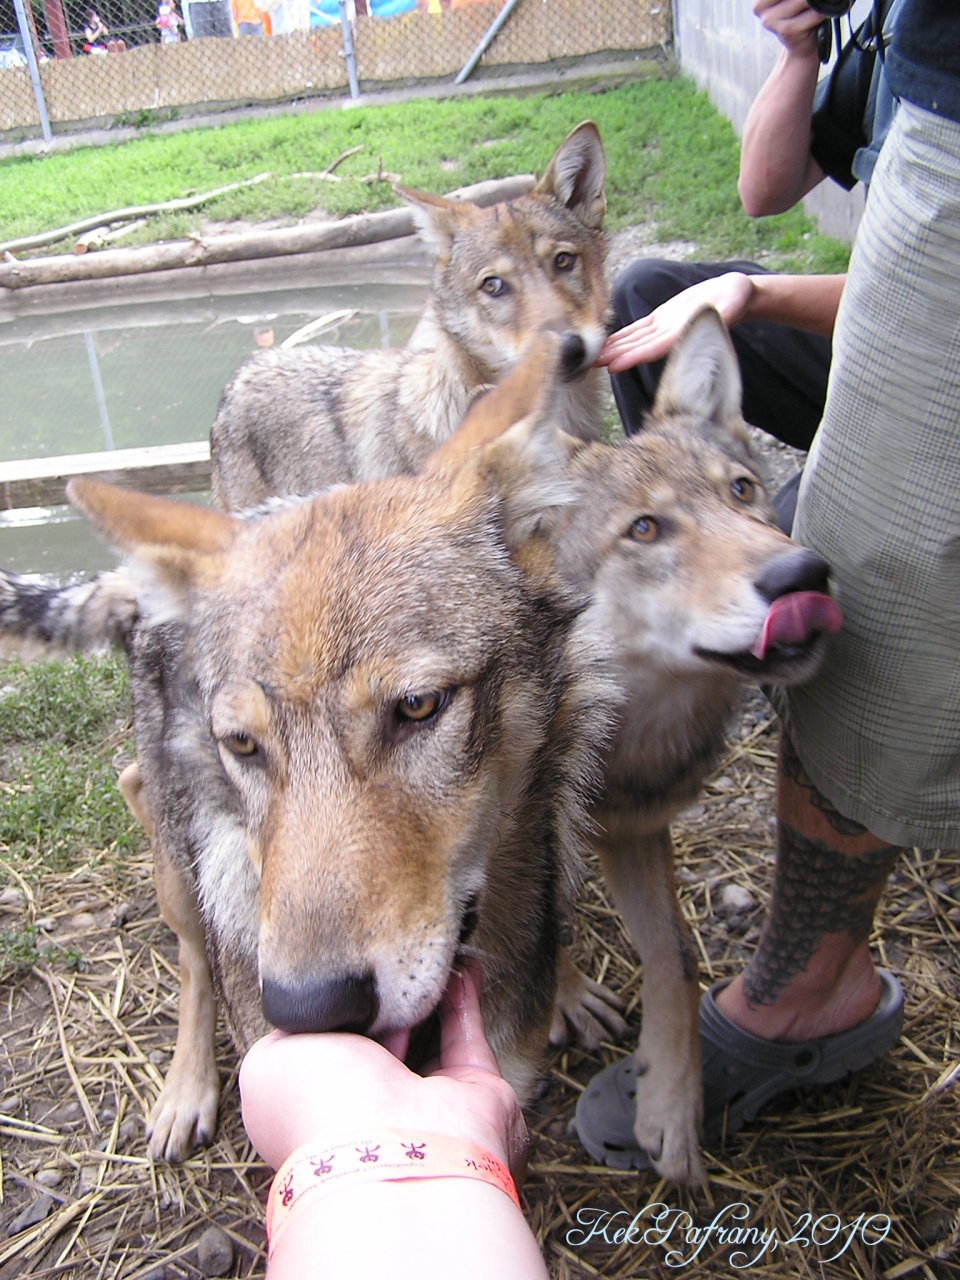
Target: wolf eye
[(565, 261), (418, 707), (494, 286), (744, 490), (240, 745), (644, 529)]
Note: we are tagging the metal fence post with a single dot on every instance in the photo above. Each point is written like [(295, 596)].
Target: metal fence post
[(486, 42), (348, 50), (31, 55)]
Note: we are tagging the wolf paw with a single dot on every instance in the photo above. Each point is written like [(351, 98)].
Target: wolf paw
[(667, 1127), (593, 1013), (184, 1116)]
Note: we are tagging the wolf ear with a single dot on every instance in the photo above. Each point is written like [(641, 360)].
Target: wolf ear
[(174, 541), (576, 174), (437, 219), (702, 376), (509, 443)]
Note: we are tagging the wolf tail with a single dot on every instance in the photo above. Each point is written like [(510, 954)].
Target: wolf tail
[(85, 617)]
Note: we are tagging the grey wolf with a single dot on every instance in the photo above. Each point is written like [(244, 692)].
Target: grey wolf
[(298, 420), (695, 590), (365, 726)]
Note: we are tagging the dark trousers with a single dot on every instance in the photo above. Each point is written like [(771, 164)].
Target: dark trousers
[(784, 370)]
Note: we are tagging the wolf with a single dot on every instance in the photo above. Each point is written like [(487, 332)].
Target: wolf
[(667, 549), (696, 591), (365, 725), (297, 420)]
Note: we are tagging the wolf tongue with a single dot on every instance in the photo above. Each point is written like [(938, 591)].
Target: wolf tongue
[(794, 618)]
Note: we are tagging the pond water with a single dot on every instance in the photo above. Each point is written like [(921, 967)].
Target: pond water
[(79, 379)]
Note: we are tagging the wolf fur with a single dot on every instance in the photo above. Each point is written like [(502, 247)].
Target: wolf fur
[(668, 543), (298, 420), (365, 727), (673, 537)]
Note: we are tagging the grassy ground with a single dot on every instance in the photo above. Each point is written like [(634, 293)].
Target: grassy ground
[(672, 162)]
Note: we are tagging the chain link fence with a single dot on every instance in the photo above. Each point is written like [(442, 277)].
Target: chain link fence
[(67, 63)]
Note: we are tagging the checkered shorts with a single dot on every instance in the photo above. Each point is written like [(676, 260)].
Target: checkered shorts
[(878, 730)]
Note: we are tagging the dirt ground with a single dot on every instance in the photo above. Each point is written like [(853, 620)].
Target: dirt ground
[(861, 1179)]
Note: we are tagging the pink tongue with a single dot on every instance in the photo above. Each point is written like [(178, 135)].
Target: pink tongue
[(794, 618), (398, 1042)]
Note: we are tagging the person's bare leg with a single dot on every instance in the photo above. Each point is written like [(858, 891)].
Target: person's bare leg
[(812, 974)]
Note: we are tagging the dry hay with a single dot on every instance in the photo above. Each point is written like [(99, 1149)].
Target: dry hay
[(83, 1053)]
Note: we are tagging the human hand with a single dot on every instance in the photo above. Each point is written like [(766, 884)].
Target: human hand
[(794, 24), (337, 1087), (652, 337)]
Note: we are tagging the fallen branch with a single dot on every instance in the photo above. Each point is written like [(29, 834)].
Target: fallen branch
[(103, 235), (368, 228), (165, 206)]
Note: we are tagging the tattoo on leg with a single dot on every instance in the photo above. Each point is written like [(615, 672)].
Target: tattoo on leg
[(818, 890)]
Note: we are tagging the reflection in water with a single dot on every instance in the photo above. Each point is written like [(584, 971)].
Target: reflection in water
[(152, 372)]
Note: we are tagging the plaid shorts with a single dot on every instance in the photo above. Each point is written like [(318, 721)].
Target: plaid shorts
[(878, 731)]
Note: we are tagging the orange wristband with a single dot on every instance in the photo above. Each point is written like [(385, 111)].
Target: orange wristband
[(392, 1156)]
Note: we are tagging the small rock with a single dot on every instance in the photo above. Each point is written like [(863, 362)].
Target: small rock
[(215, 1252), (64, 1114), (736, 898), (82, 921), (46, 924), (158, 1273), (35, 1212), (935, 1225), (121, 915), (49, 1177), (128, 1131), (12, 898), (10, 1103)]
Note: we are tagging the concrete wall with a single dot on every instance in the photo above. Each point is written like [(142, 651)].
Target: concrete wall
[(723, 47)]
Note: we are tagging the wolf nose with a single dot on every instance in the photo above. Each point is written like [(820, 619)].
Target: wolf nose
[(332, 1004), (799, 570), (573, 354)]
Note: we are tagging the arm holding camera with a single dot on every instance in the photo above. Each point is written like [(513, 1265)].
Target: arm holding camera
[(776, 166)]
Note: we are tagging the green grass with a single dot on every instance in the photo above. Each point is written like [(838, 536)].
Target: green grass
[(61, 726), (672, 162)]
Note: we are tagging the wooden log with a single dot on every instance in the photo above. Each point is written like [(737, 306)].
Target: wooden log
[(165, 468), (367, 228)]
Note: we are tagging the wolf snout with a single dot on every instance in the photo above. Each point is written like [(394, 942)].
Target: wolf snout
[(799, 570), (573, 355), (348, 1003)]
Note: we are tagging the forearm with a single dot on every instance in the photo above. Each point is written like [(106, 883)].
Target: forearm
[(805, 302), (776, 167), (414, 1230)]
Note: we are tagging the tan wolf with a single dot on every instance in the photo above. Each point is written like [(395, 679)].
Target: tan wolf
[(365, 726), (297, 420)]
